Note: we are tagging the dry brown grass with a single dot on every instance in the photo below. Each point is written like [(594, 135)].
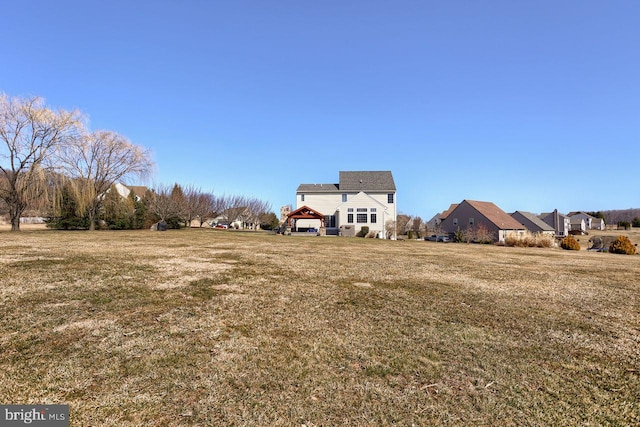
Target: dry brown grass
[(528, 239), (205, 327)]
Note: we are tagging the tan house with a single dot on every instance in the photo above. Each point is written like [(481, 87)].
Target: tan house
[(472, 214)]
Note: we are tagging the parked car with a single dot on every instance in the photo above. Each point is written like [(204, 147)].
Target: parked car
[(438, 238)]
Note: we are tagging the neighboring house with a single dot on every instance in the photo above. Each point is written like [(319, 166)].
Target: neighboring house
[(360, 198), (560, 223), (434, 223), (532, 223), (238, 218), (124, 190), (578, 225), (471, 214), (591, 222), (597, 224)]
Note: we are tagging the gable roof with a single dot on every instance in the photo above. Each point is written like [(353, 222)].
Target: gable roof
[(574, 213), (495, 215), (446, 213), (367, 181), (370, 181), (545, 215), (543, 226), (138, 190), (305, 212)]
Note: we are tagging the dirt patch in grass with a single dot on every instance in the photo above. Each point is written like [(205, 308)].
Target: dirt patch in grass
[(197, 327)]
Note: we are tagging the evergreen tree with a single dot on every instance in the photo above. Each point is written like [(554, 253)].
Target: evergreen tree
[(63, 214)]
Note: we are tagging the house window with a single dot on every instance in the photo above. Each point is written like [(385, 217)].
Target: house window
[(349, 209), (470, 221), (350, 218), (455, 221), (373, 210), (362, 218), (374, 218), (344, 197), (390, 198), (302, 197), (362, 209)]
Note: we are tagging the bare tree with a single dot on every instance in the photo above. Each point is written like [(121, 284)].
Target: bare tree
[(204, 206), (98, 160), (390, 228), (255, 208), (30, 132), (416, 224), (233, 208), (401, 223), (179, 200), (200, 205), (161, 204)]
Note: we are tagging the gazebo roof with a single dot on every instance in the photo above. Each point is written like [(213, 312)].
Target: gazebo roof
[(305, 212)]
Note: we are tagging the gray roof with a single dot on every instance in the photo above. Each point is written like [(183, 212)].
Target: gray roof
[(545, 215), (318, 188), (367, 181), (370, 181), (534, 219)]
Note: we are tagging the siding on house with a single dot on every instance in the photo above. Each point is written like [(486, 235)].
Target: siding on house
[(578, 224), (473, 214), (560, 223), (356, 190)]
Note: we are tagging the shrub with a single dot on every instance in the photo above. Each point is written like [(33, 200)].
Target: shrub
[(570, 243), (363, 231), (459, 236), (529, 240), (624, 225), (622, 245), (482, 235)]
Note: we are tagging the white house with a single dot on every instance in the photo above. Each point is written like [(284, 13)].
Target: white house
[(360, 198), (591, 222)]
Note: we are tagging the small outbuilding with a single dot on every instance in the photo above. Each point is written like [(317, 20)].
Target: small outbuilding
[(305, 219)]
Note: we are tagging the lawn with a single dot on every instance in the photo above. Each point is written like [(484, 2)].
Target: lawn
[(209, 327)]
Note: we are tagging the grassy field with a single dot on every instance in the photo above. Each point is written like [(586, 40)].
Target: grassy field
[(207, 327)]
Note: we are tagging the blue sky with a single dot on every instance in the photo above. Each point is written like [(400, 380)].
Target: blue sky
[(530, 105)]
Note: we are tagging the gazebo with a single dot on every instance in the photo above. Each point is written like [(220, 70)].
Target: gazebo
[(305, 212)]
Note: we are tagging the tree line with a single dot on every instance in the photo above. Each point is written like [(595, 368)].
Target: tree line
[(173, 206), (50, 161)]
